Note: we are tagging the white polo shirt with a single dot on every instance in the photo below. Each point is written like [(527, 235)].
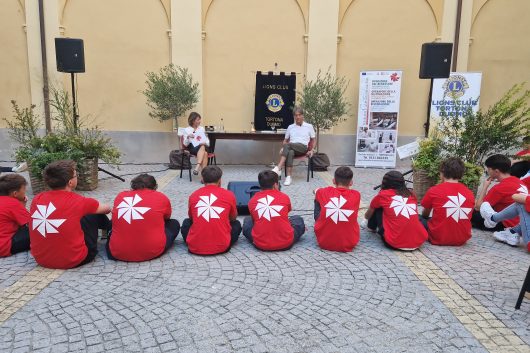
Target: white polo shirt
[(300, 134)]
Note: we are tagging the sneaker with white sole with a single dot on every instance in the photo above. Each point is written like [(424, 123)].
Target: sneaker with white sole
[(21, 168), (287, 181), (486, 211), (277, 170), (506, 236)]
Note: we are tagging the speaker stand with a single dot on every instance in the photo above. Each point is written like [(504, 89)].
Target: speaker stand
[(427, 124)]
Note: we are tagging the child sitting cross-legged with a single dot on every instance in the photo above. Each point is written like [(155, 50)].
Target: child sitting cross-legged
[(451, 203), (336, 211), (14, 218), (269, 227), (393, 213)]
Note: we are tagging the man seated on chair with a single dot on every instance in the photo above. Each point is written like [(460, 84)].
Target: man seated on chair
[(299, 141), (196, 142)]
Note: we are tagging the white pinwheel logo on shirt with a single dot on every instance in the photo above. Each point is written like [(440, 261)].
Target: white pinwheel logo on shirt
[(454, 207), (334, 210), (523, 189), (41, 221), (401, 207), (128, 209), (206, 209), (266, 210)]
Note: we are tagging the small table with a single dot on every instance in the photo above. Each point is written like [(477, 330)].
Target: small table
[(260, 136)]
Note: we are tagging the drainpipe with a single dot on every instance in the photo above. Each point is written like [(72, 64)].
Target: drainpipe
[(45, 89), (456, 41)]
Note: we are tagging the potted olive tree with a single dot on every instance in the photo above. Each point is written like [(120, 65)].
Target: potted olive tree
[(324, 105), (170, 93)]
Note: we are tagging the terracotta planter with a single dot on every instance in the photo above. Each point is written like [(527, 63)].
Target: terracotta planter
[(87, 174), (37, 184), (422, 183)]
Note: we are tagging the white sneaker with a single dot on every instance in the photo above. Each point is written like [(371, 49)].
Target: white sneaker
[(287, 181), (486, 211), (277, 170), (506, 236), (21, 168)]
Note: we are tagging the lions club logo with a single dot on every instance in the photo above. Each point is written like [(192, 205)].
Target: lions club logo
[(274, 103), (455, 86)]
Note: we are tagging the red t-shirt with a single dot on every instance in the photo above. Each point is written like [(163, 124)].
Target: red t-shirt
[(402, 226), (138, 231), (523, 153), (270, 213), (56, 237), (452, 205), (526, 181), (210, 209), (13, 214), (336, 228), (500, 197)]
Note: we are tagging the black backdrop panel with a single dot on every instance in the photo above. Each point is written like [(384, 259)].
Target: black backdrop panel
[(275, 95)]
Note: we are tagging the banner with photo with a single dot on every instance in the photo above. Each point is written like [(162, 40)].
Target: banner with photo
[(275, 95), (377, 120), (452, 96)]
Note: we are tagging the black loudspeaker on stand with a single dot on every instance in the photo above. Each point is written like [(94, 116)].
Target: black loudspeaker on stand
[(70, 57), (435, 63)]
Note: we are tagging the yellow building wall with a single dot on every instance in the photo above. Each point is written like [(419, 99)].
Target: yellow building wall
[(14, 74), (387, 40), (500, 47), (243, 36), (122, 42)]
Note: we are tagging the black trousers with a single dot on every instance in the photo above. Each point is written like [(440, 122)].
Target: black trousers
[(235, 230), (478, 222), (297, 223), (20, 240), (6, 169), (171, 228), (90, 225)]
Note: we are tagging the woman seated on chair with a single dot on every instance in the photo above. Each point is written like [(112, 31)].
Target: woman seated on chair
[(196, 141)]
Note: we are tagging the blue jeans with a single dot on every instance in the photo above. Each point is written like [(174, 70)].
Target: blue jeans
[(512, 211)]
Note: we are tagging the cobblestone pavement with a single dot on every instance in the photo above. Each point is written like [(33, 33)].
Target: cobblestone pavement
[(438, 299)]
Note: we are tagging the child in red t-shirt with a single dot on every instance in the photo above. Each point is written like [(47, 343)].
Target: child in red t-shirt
[(521, 208), (269, 226), (14, 218), (212, 227), (337, 228), (141, 226), (393, 212), (499, 196), (451, 203), (64, 225)]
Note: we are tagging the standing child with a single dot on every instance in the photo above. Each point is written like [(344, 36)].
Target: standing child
[(212, 227), (393, 213), (451, 203), (14, 218), (337, 229), (64, 224), (269, 226), (141, 226)]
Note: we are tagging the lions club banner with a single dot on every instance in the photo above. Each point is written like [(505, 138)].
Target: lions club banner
[(377, 120), (275, 96), (452, 96)]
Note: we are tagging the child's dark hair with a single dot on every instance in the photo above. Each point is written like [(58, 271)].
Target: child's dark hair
[(144, 181), (10, 183), (211, 174), (453, 168), (343, 176), (395, 180), (57, 174), (520, 169), (267, 179), (499, 162)]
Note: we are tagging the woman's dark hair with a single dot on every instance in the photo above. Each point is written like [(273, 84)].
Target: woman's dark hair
[(144, 181), (57, 174), (193, 116), (10, 183), (394, 180), (453, 168)]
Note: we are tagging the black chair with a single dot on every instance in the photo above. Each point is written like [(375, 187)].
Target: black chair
[(526, 288)]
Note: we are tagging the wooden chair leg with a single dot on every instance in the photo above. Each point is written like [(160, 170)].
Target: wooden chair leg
[(524, 289)]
